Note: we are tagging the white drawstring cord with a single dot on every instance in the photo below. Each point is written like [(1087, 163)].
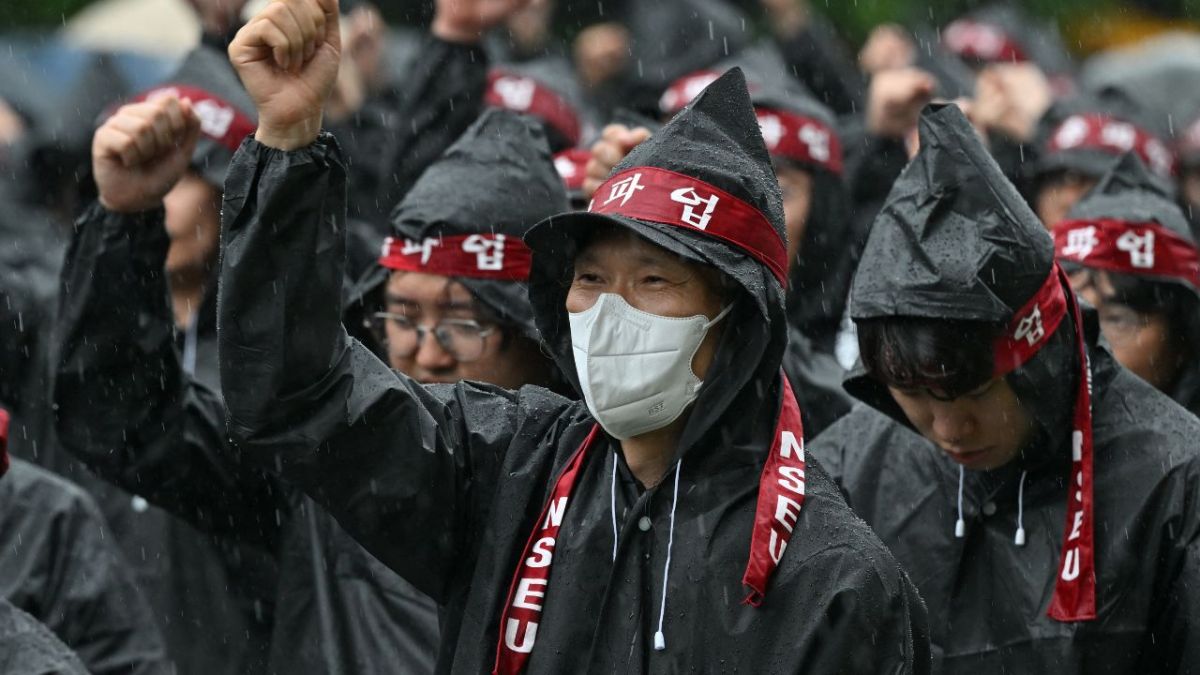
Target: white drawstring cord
[(660, 640), (613, 503), (960, 527), (1019, 540)]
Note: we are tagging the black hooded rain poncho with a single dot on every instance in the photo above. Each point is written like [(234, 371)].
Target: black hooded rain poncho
[(445, 483), (955, 241), (58, 564)]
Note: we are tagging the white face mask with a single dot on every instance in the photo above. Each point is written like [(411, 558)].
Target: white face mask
[(635, 368)]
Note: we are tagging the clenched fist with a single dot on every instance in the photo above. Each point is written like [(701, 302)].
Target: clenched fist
[(466, 21), (287, 57), (140, 152), (895, 99), (616, 141)]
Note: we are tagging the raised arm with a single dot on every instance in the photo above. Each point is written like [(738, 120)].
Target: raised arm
[(407, 125), (123, 403), (405, 469)]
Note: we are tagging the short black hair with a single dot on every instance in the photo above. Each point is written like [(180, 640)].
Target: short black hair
[(947, 357)]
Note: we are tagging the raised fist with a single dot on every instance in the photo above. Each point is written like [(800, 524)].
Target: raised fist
[(466, 21), (895, 99), (615, 142), (140, 152), (287, 57)]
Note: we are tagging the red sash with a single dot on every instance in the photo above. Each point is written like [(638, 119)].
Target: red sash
[(1030, 329), (780, 496)]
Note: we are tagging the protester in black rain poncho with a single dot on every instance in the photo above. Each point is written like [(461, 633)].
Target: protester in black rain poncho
[(1129, 252), (465, 489), (1079, 141), (971, 338)]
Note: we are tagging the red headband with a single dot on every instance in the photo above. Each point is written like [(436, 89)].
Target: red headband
[(219, 119), (800, 138), (1030, 329), (1097, 131), (572, 167), (476, 256), (682, 91), (670, 198), (1131, 248), (3, 441), (526, 95), (971, 39)]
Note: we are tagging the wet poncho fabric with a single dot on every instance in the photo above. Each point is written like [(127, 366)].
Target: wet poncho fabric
[(956, 242), (61, 565), (445, 483), (29, 648)]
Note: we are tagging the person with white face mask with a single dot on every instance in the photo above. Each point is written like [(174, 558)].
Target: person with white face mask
[(668, 522)]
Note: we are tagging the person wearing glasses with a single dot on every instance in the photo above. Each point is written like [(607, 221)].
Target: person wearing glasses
[(450, 286)]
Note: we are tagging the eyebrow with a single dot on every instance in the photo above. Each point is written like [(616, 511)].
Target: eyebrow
[(394, 299), (454, 306), (588, 257)]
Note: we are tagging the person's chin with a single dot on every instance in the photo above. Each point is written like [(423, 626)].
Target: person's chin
[(974, 460)]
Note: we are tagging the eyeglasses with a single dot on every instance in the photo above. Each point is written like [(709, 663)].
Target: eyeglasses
[(464, 339)]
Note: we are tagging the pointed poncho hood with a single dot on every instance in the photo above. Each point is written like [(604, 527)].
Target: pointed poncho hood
[(1129, 192), (478, 200), (954, 240)]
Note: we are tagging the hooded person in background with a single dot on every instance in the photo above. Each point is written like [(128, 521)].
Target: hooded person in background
[(545, 92), (654, 505), (1079, 141), (988, 399), (58, 568), (1129, 252), (806, 154), (451, 281)]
